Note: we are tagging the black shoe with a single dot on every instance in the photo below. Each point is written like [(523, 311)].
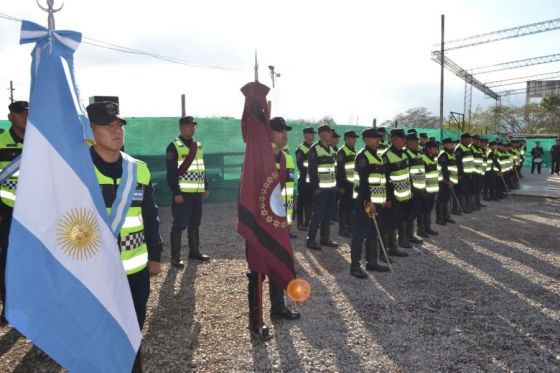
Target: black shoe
[(293, 235), (423, 233), (262, 332), (456, 212), (284, 314), (384, 260), (178, 263), (344, 233), (413, 239), (302, 227), (404, 244), (398, 253), (441, 222), (199, 256), (312, 245), (328, 243), (371, 267), (358, 272), (429, 230)]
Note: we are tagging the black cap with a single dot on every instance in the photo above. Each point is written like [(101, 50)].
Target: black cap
[(279, 124), (18, 106), (432, 139), (491, 143), (187, 120), (412, 136), (447, 140), (423, 135), (371, 132), (335, 134), (397, 132), (103, 113), (310, 130), (381, 129), (323, 128), (476, 137), (412, 130), (430, 144), (350, 134), (465, 135)]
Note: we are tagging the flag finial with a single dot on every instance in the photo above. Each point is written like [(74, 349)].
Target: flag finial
[(256, 67), (51, 11)]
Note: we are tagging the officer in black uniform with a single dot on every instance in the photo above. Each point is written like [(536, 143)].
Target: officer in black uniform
[(369, 199), (465, 165), (537, 154), (345, 183), (305, 197), (448, 166), (418, 183), (322, 179), (494, 172), (11, 145), (108, 132), (186, 206)]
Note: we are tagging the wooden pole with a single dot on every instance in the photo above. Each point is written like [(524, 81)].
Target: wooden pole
[(183, 105)]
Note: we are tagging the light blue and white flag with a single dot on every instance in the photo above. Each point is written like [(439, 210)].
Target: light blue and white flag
[(66, 286)]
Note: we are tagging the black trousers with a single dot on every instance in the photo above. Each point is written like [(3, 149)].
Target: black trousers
[(4, 232), (537, 165), (444, 193), (392, 217), (465, 185)]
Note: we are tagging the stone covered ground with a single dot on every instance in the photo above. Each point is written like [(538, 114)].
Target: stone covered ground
[(483, 295)]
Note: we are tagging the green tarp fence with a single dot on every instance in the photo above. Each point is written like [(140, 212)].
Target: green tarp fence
[(147, 139)]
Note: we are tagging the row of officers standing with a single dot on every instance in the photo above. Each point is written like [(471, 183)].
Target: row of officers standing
[(395, 183)]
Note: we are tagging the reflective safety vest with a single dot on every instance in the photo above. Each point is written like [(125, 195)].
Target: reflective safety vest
[(134, 251), (417, 171), (288, 190), (468, 159), (485, 164), (451, 166), (349, 157), (516, 157), (478, 161), (376, 178), (191, 181), (433, 174), (399, 175), (304, 149), (9, 149), (326, 167), (493, 166), (503, 159)]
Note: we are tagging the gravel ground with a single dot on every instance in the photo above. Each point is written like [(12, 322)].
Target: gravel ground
[(481, 296)]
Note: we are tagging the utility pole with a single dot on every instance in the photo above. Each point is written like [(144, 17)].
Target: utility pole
[(374, 122), (442, 56), (12, 89), (183, 105)]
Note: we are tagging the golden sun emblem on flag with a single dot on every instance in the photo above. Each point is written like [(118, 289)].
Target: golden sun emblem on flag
[(78, 234)]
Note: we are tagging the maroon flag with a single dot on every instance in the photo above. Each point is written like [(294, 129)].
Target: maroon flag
[(261, 213)]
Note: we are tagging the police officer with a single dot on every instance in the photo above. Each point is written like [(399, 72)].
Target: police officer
[(466, 168), (139, 240), (370, 196), (478, 174), (537, 157), (186, 177), (383, 142), (423, 136), (322, 179), (11, 145), (555, 158), (494, 172), (449, 173), (288, 191), (433, 175), (418, 179), (399, 193), (345, 182), (305, 198)]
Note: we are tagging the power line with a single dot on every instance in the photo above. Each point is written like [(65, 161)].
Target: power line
[(124, 49)]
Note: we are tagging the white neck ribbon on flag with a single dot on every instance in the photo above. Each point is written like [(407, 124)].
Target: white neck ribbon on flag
[(68, 41), (125, 192)]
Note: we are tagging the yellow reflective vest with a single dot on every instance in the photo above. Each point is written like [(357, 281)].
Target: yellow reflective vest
[(192, 181), (9, 149)]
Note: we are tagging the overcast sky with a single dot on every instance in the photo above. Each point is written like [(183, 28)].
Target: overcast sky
[(352, 60)]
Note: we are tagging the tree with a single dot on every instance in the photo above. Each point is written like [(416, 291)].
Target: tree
[(327, 119), (418, 117)]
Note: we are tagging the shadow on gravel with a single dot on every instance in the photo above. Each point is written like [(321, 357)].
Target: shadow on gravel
[(163, 326), (8, 340)]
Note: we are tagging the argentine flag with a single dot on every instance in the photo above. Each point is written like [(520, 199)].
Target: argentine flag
[(66, 286)]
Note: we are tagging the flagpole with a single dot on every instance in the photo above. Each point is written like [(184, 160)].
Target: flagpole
[(51, 11)]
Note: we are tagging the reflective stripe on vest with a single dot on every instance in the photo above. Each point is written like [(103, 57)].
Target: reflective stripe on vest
[(376, 179), (9, 149), (304, 149), (400, 176), (417, 171), (451, 166), (349, 157), (468, 159), (478, 161), (433, 174), (326, 167), (192, 181), (288, 190), (134, 251)]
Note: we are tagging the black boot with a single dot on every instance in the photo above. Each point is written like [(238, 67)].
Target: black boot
[(385, 240), (355, 258), (410, 232), (421, 231), (473, 203), (478, 200), (447, 215), (194, 245), (175, 242), (307, 210), (253, 296), (311, 234), (325, 236), (402, 241), (278, 309), (372, 252), (299, 216), (393, 249), (343, 224), (463, 200), (350, 222), (440, 217), (455, 210), (428, 224)]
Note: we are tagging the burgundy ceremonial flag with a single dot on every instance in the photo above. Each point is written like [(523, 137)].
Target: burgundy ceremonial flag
[(262, 218)]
